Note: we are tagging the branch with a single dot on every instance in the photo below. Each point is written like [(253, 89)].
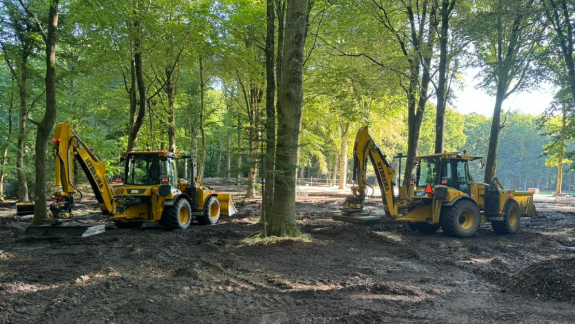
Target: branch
[(35, 101), (35, 19), (33, 121), (7, 59)]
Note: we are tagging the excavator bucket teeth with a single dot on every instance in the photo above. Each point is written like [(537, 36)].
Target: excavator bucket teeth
[(24, 209), (226, 204), (48, 231)]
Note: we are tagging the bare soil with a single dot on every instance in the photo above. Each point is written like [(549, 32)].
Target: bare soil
[(344, 273)]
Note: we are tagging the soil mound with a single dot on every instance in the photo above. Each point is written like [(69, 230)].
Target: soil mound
[(550, 279)]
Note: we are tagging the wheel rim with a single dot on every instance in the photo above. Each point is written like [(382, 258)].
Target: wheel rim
[(466, 220), (513, 218), (184, 215), (214, 210)]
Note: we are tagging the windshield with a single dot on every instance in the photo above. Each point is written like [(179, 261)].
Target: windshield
[(143, 169), (427, 172)]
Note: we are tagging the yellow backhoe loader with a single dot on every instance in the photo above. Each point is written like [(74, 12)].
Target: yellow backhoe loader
[(150, 190), (443, 194)]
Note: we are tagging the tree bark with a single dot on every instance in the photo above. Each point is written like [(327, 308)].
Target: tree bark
[(8, 140), (49, 119), (139, 120), (170, 89), (491, 164), (561, 150), (270, 109), (446, 9), (229, 156), (22, 129), (202, 130), (282, 219), (344, 131)]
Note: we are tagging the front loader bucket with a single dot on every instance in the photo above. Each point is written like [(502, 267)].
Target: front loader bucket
[(526, 205), (60, 231), (24, 209), (226, 204)]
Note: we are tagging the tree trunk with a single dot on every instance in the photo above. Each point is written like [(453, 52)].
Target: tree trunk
[(202, 131), (446, 9), (280, 10), (22, 181), (49, 119), (491, 164), (8, 140), (270, 109), (282, 219), (561, 150), (344, 130), (229, 156), (239, 172), (139, 120), (170, 89), (335, 168)]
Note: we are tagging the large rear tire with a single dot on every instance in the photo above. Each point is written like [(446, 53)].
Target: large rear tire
[(211, 212), (460, 220), (510, 223), (178, 216), (126, 225)]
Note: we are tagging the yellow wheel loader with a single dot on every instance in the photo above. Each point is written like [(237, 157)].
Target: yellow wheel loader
[(150, 190), (443, 194)]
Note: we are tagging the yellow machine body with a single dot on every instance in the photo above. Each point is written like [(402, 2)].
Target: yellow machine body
[(442, 193), (150, 191)]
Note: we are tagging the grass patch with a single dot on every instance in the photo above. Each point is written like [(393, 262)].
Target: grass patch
[(256, 240)]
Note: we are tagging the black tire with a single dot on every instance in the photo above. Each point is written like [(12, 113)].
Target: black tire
[(510, 223), (126, 225), (177, 216), (460, 220), (424, 228), (211, 212)]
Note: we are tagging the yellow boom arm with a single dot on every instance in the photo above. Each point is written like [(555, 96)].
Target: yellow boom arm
[(363, 149), (66, 145)]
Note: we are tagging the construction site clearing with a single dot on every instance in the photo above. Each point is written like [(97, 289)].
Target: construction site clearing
[(338, 272)]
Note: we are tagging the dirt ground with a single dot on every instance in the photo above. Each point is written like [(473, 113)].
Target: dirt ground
[(344, 273)]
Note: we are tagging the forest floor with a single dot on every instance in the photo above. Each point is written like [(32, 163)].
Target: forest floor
[(343, 273)]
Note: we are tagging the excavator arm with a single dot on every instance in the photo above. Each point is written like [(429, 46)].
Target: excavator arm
[(66, 146), (363, 149)]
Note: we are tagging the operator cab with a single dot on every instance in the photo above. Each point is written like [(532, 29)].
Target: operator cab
[(151, 168), (440, 170)]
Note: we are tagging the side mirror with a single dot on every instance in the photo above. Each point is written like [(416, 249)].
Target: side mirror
[(165, 190), (122, 159)]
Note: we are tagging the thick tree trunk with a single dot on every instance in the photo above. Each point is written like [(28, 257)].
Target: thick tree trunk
[(446, 9), (139, 71), (202, 130), (344, 131), (8, 140), (280, 11), (49, 119), (133, 90), (490, 165), (281, 221), (270, 109)]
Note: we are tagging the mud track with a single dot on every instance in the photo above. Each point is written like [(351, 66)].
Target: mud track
[(345, 273)]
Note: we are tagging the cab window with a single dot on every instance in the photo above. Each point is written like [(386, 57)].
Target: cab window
[(427, 172)]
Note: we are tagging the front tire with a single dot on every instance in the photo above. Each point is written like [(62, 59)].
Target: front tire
[(510, 223), (178, 216), (460, 220), (211, 212)]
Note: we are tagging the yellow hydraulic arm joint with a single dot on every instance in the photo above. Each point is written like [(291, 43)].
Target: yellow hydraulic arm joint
[(363, 149), (66, 146)]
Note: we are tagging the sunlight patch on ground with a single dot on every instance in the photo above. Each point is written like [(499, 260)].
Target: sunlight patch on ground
[(304, 238), (392, 236), (5, 255), (19, 287)]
